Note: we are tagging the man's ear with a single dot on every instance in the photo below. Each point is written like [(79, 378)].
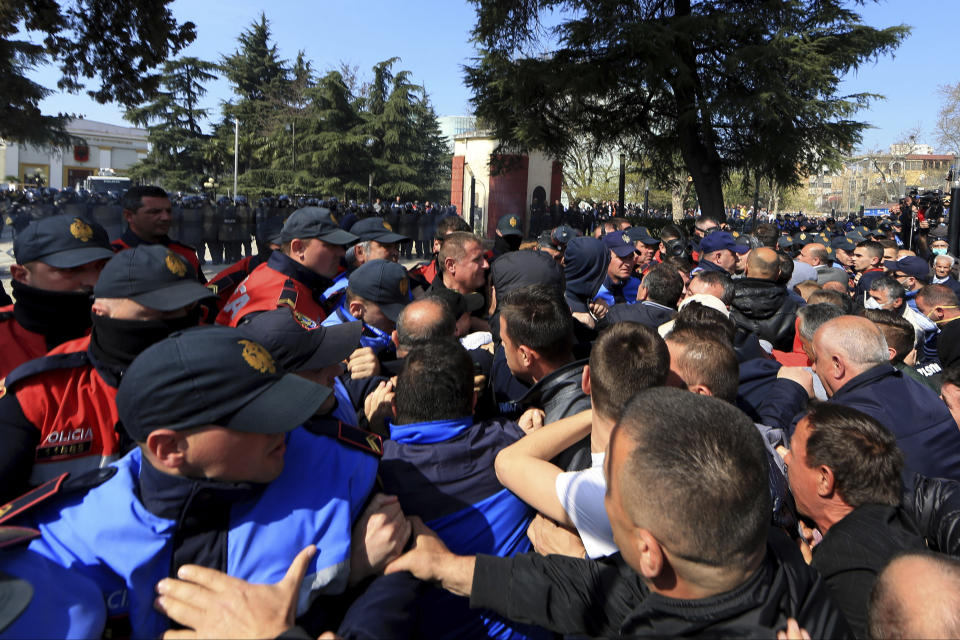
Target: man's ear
[(700, 389), (585, 379), (395, 338), (641, 293), (649, 551), (127, 214), (450, 265), (356, 309), (838, 366), (527, 355), (165, 447), (826, 481), (19, 273), (297, 247)]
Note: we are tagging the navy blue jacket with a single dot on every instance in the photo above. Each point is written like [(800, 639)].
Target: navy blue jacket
[(442, 471), (924, 428), (649, 314)]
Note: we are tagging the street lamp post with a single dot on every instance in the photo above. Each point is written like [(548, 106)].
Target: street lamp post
[(236, 156)]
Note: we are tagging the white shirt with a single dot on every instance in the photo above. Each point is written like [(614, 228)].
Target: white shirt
[(581, 493)]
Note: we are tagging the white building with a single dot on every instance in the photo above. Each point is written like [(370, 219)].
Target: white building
[(108, 146)]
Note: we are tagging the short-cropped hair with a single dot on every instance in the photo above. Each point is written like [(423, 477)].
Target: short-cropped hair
[(664, 285), (707, 359), (436, 383), (626, 358), (697, 477)]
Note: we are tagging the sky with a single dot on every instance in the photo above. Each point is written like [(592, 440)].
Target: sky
[(432, 39)]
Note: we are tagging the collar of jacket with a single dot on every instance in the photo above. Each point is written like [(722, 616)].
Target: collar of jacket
[(429, 432), (278, 261), (172, 497), (871, 375), (132, 240), (546, 387)]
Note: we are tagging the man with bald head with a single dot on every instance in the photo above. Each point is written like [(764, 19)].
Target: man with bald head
[(916, 596), (852, 362), (763, 306)]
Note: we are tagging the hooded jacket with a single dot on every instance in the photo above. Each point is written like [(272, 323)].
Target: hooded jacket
[(607, 598), (585, 267), (765, 307)]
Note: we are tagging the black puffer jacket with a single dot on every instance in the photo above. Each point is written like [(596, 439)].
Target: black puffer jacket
[(766, 308)]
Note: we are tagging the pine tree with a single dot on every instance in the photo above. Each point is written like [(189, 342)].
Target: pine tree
[(173, 122)]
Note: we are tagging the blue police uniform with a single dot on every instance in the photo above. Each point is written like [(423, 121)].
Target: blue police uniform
[(443, 472), (148, 534), (624, 292), (371, 337)]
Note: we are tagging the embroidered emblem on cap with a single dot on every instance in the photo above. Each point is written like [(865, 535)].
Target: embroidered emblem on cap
[(625, 238), (304, 321), (257, 357), (80, 230), (803, 236), (386, 225), (513, 221), (404, 286), (176, 266)]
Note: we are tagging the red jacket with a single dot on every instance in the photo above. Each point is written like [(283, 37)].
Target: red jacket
[(72, 406), (279, 281), (17, 345)]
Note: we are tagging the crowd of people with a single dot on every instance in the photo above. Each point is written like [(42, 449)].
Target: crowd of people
[(603, 431)]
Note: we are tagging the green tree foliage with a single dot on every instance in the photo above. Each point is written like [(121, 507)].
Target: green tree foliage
[(174, 126), (727, 84), (118, 42)]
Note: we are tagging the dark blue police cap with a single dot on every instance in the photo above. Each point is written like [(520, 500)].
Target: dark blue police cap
[(619, 242), (153, 276), (842, 242), (300, 344), (62, 241), (509, 225), (315, 222), (641, 234), (384, 283), (719, 240), (213, 375), (376, 229), (563, 234)]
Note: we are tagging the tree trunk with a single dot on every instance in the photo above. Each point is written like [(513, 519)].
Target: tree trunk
[(698, 151)]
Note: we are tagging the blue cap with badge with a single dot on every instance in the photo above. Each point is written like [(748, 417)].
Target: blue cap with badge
[(384, 283), (63, 242), (151, 275), (315, 222)]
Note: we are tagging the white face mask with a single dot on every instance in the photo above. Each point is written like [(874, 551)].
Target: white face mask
[(871, 303)]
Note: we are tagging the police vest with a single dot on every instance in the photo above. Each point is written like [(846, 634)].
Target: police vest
[(280, 282), (226, 282), (110, 538), (72, 407), (129, 240), (17, 345)]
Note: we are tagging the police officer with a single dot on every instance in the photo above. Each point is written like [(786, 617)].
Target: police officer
[(191, 224), (377, 241), (376, 294), (58, 260), (298, 274), (109, 215), (509, 235), (217, 480), (245, 216), (57, 413), (620, 285), (148, 213), (425, 227), (229, 234), (226, 282), (409, 227)]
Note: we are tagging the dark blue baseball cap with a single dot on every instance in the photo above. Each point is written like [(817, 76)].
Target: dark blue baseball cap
[(382, 282), (299, 343), (63, 242), (153, 276), (315, 222), (213, 375), (641, 234), (842, 242), (910, 265), (719, 240), (509, 225), (563, 234), (620, 243), (376, 229)]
